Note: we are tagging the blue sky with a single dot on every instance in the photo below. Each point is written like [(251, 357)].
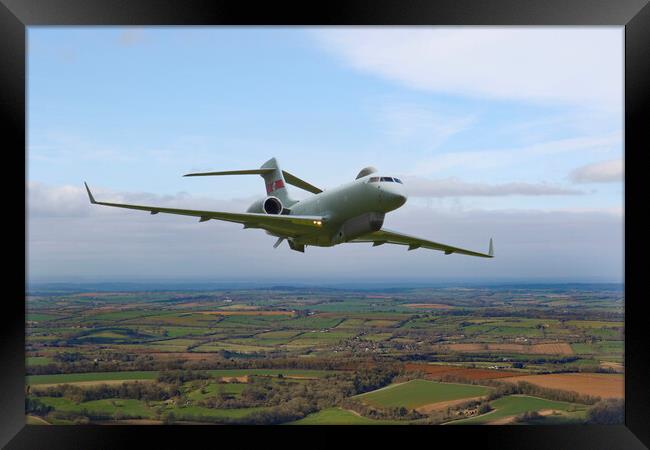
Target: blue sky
[(487, 126)]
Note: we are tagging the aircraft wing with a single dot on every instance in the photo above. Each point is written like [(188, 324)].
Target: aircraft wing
[(384, 236), (285, 225)]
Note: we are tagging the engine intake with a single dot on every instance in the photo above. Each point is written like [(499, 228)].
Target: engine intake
[(272, 205)]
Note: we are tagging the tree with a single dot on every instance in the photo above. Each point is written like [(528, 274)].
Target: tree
[(169, 418), (484, 408), (528, 416), (221, 393), (35, 406), (606, 412)]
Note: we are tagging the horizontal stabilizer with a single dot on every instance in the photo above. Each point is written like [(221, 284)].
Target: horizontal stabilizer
[(231, 172), (288, 177)]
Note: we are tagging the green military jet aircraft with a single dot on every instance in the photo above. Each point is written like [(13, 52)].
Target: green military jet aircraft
[(352, 212)]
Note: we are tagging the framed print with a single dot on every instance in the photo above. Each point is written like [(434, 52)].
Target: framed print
[(381, 220)]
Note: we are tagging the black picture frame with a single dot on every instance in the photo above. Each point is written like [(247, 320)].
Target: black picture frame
[(16, 15)]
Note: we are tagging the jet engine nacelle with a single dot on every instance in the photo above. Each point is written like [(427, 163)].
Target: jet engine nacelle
[(358, 226), (269, 205)]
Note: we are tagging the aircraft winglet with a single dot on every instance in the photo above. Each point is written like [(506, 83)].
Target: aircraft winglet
[(90, 195), (491, 250)]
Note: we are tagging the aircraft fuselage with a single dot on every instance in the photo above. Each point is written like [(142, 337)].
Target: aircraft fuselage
[(350, 210)]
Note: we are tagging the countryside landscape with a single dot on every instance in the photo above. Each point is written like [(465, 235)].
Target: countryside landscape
[(447, 355)]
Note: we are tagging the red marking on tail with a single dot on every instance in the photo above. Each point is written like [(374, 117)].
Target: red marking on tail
[(274, 185)]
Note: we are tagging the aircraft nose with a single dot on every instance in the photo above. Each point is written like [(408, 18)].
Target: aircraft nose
[(396, 199)]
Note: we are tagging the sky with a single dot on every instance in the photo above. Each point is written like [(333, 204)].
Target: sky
[(514, 133)]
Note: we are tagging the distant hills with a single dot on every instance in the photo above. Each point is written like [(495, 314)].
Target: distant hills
[(62, 287)]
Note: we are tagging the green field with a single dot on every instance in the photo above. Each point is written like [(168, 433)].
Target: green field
[(38, 360), (306, 373), (34, 420), (377, 336), (117, 316), (518, 404), (138, 409), (36, 317), (338, 416), (194, 392), (151, 375), (174, 332), (231, 346), (197, 413), (129, 407), (277, 335), (172, 345), (88, 335), (600, 348), (91, 376), (322, 338), (417, 393)]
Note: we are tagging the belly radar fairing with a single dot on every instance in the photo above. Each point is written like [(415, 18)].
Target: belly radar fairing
[(350, 213)]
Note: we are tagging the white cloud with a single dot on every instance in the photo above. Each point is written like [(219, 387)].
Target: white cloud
[(72, 201), (600, 172), (69, 239), (57, 146), (453, 187), (59, 201), (491, 158), (423, 127), (580, 66)]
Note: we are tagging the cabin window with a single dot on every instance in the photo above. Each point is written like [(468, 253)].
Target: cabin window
[(373, 180)]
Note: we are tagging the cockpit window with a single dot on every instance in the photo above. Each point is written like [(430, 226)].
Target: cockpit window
[(385, 179)]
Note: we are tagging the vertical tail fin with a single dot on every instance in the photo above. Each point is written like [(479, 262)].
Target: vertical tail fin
[(275, 183)]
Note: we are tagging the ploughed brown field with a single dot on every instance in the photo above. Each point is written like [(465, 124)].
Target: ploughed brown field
[(241, 307), (603, 385), (436, 371), (551, 348), (440, 406), (618, 367), (242, 379)]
